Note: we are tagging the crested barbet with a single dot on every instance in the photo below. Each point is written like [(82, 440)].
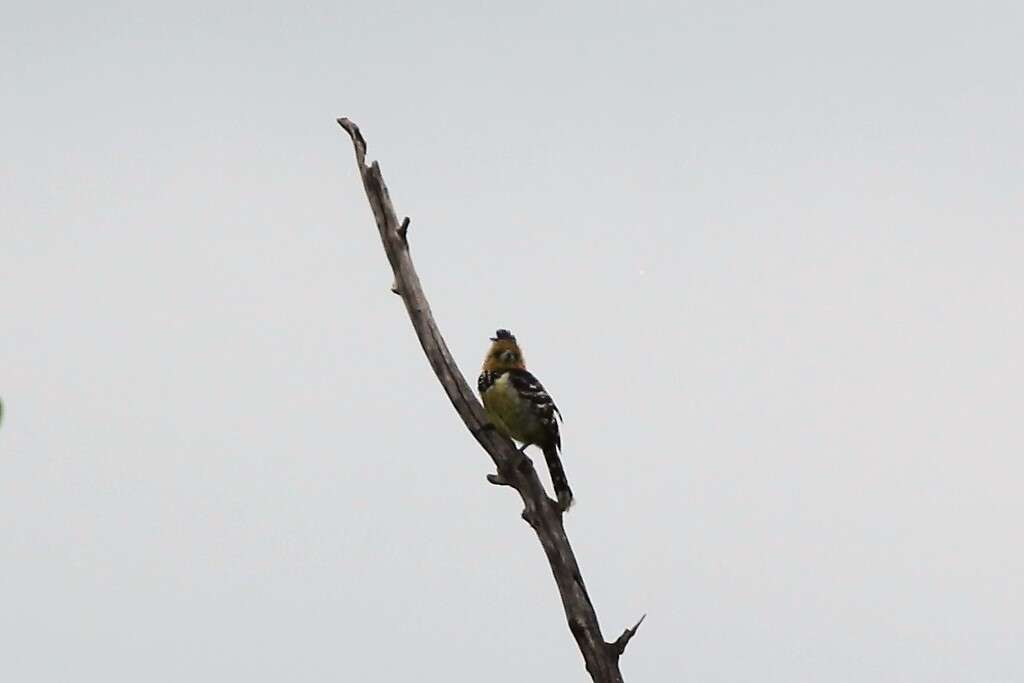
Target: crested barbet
[(519, 407)]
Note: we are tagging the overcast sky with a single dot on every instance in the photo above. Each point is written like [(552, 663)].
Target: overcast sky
[(766, 257)]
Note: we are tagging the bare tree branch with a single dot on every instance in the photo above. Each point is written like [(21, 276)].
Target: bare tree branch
[(514, 468)]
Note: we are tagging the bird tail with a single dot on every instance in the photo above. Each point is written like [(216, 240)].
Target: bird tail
[(558, 480)]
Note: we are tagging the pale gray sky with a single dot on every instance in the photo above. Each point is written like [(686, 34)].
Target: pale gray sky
[(767, 258)]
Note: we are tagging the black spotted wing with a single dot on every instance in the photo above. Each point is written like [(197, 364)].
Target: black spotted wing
[(485, 380), (530, 388)]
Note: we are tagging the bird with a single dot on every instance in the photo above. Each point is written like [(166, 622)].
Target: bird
[(518, 407)]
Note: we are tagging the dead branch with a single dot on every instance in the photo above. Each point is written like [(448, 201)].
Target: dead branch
[(514, 468)]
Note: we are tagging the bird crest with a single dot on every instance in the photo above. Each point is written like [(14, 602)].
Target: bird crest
[(503, 335)]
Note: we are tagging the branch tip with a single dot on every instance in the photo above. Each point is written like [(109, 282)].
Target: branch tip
[(353, 131), (403, 229), (619, 646), (498, 480)]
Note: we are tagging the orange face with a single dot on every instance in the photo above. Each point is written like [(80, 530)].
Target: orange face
[(504, 354)]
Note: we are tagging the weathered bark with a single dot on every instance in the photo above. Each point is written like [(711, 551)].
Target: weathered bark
[(514, 468)]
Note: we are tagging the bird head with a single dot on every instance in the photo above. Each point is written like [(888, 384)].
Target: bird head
[(504, 353)]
